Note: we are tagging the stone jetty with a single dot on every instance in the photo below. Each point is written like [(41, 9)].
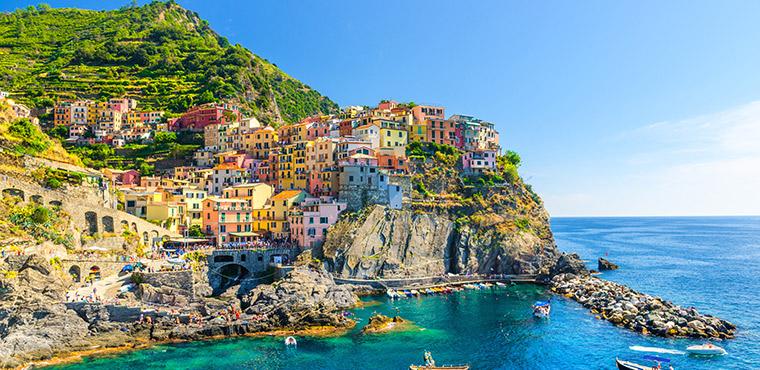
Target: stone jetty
[(637, 311)]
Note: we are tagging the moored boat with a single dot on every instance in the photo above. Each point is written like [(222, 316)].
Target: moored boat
[(707, 349), (628, 365), (290, 341), (430, 365), (542, 309)]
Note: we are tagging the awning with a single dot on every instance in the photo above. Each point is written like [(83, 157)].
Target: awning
[(188, 240), (244, 234)]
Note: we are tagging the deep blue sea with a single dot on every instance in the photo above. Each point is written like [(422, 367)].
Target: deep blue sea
[(710, 263)]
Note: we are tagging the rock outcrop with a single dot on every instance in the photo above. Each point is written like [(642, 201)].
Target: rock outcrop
[(34, 323), (382, 324), (306, 297), (399, 243), (639, 312), (605, 265)]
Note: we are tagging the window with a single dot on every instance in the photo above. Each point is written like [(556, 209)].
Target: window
[(323, 220), (222, 228)]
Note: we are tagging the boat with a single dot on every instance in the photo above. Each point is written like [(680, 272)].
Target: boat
[(415, 292), (707, 349), (407, 293), (391, 293), (499, 283), (542, 309), (430, 365), (290, 341), (628, 365)]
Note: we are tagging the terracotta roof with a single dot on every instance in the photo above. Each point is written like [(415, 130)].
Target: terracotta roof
[(227, 166), (287, 194)]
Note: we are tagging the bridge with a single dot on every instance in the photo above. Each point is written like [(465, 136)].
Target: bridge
[(434, 281), (247, 267), (89, 207)]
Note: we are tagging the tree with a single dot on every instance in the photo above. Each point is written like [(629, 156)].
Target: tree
[(163, 137), (195, 232), (513, 158)]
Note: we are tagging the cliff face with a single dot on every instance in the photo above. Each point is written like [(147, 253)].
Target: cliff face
[(398, 243)]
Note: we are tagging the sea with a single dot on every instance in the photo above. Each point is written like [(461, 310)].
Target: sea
[(712, 263)]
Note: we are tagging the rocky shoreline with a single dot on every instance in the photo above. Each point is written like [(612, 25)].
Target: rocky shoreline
[(38, 327), (637, 311)]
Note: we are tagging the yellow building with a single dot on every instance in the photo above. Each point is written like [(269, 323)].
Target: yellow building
[(393, 134), (280, 206), (300, 170), (260, 142), (170, 214), (285, 168), (193, 205), (418, 131), (256, 194)]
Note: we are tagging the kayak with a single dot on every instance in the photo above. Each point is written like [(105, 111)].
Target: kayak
[(707, 349)]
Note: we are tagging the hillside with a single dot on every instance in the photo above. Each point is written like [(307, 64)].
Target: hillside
[(165, 56)]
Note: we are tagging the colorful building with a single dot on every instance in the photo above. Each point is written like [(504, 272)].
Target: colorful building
[(198, 117), (310, 220)]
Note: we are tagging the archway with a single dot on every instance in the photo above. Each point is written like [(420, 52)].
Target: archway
[(124, 225), (146, 239), (13, 192), (37, 199), (76, 273), (91, 219), (107, 224), (134, 228), (232, 274), (94, 273)]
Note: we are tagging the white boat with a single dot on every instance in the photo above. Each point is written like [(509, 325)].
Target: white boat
[(391, 293), (290, 341), (707, 349)]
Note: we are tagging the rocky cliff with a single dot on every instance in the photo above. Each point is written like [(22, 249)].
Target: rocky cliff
[(397, 243)]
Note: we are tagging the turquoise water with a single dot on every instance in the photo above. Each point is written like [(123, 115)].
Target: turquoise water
[(711, 263)]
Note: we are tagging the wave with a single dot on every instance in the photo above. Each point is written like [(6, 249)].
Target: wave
[(656, 350)]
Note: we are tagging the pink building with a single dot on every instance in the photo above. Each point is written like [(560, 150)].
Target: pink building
[(318, 129), (311, 219), (228, 220), (479, 160)]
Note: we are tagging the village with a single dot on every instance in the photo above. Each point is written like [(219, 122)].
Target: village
[(254, 185)]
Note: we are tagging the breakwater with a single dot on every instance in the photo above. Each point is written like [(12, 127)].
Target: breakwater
[(639, 312)]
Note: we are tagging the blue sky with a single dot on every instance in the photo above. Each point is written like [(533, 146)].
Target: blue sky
[(617, 107)]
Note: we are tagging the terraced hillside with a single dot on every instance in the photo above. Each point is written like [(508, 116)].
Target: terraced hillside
[(162, 54)]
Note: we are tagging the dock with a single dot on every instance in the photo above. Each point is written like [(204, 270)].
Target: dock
[(435, 281)]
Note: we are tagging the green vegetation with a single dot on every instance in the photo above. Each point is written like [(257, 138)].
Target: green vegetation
[(160, 53), (35, 221), (195, 231), (23, 137), (142, 157)]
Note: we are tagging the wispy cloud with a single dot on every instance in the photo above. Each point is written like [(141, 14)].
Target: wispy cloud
[(704, 165)]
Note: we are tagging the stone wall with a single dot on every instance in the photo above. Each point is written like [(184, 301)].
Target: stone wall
[(173, 279)]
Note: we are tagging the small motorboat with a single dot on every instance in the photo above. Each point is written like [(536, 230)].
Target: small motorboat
[(430, 365), (707, 349), (291, 342), (628, 365), (499, 283), (542, 309), (391, 293)]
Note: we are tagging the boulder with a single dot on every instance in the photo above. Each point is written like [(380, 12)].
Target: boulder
[(605, 265), (569, 264)]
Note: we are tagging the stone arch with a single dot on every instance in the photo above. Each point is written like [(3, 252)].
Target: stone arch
[(13, 192), (146, 238), (134, 228), (94, 273), (76, 273), (37, 199), (56, 203), (124, 225), (153, 236), (233, 273), (91, 219), (223, 258), (107, 224)]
